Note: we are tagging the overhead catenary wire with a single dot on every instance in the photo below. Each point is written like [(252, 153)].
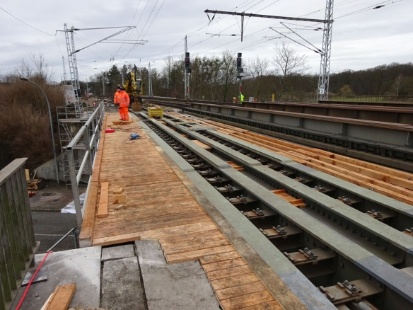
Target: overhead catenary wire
[(23, 22), (198, 37)]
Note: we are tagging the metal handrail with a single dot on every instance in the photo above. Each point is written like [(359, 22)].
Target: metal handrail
[(73, 230), (87, 137)]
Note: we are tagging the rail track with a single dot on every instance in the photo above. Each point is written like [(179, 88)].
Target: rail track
[(352, 243), (371, 135)]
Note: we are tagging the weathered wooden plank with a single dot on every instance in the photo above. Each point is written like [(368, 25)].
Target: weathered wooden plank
[(195, 237), (130, 218), (209, 259), (231, 263), (129, 225), (227, 273), (246, 300), (88, 223), (61, 297), (160, 206), (268, 305), (103, 200), (178, 230), (185, 247), (240, 290), (234, 281), (182, 257), (116, 239)]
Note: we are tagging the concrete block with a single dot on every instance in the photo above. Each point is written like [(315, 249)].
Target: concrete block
[(121, 286), (149, 252), (116, 252), (80, 266), (181, 286)]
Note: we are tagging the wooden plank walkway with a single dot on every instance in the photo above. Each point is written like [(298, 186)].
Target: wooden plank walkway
[(157, 205)]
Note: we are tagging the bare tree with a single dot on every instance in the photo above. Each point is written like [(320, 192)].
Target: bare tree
[(167, 72), (288, 64), (258, 68), (227, 72), (397, 83), (37, 68)]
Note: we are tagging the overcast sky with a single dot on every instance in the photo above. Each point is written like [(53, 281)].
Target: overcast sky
[(365, 35)]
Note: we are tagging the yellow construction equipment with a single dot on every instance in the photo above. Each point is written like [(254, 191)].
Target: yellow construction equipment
[(134, 88)]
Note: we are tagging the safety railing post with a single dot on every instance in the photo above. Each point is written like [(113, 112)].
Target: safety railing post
[(75, 187)]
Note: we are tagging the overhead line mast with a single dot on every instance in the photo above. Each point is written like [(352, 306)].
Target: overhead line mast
[(324, 77), (71, 56)]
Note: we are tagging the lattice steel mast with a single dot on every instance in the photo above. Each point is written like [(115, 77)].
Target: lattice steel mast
[(324, 78), (71, 56)]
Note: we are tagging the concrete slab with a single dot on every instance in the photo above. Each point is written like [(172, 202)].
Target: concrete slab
[(150, 253), (121, 285), (80, 266), (173, 286), (117, 252)]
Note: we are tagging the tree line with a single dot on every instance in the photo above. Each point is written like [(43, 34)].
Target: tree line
[(284, 77), (24, 124)]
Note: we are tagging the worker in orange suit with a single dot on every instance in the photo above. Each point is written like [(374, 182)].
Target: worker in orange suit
[(124, 101), (116, 96)]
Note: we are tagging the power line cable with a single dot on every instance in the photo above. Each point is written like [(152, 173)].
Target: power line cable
[(23, 22)]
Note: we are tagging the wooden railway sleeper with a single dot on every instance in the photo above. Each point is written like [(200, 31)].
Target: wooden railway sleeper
[(288, 173), (346, 291), (279, 231), (241, 199), (380, 215), (252, 155), (304, 180), (228, 188), (323, 189), (348, 201), (306, 256), (207, 172), (217, 180), (257, 214), (194, 160), (201, 165), (182, 151), (189, 156), (264, 161), (275, 166), (409, 231)]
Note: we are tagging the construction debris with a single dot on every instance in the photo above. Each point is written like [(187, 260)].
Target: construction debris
[(35, 184), (119, 196)]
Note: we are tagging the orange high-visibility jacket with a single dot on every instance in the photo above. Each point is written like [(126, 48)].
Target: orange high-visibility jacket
[(116, 97), (123, 99)]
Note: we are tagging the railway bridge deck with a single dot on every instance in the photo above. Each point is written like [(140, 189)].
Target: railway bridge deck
[(143, 193), (149, 197)]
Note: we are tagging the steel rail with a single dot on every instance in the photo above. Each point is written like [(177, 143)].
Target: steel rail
[(376, 141), (311, 230), (380, 234)]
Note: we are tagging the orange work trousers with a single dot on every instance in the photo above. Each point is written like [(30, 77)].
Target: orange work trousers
[(124, 113)]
